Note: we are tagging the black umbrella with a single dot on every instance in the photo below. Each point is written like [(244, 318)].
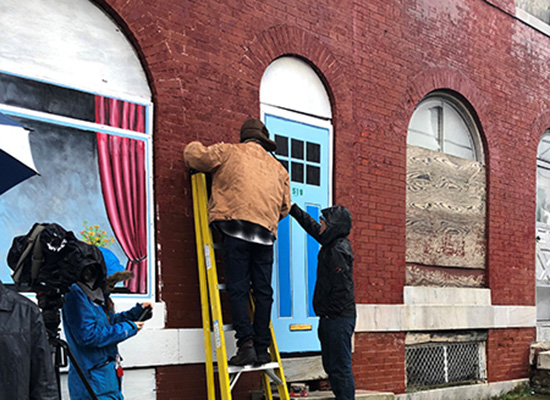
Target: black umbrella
[(16, 163)]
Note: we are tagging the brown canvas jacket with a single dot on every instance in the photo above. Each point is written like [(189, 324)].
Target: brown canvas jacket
[(247, 182)]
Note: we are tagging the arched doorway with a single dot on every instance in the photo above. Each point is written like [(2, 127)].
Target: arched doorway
[(296, 110)]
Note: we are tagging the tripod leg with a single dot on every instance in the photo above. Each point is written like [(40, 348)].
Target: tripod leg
[(56, 355), (65, 346)]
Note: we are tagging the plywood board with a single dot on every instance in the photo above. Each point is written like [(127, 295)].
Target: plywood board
[(446, 199)]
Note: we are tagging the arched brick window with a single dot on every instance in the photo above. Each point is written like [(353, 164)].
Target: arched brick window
[(446, 189), (75, 80)]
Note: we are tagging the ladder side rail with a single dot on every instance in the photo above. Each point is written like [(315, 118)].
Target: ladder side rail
[(213, 291), (205, 305), (282, 387), (267, 387), (279, 372)]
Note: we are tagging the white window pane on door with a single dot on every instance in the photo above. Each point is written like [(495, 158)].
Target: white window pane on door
[(423, 129), (457, 136), (543, 195)]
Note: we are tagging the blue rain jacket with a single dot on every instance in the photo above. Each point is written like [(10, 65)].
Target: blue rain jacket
[(93, 339)]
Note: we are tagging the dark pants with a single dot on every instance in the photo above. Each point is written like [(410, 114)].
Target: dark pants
[(247, 263), (335, 336)]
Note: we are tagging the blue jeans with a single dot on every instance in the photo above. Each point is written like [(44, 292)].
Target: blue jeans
[(249, 265), (335, 336)]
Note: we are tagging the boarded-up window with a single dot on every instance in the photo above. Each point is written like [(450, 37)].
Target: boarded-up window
[(445, 210), (446, 194)]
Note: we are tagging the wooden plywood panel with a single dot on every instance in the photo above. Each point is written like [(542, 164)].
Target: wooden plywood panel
[(446, 199)]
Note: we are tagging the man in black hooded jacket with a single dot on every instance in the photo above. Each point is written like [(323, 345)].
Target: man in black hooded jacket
[(26, 369), (333, 298)]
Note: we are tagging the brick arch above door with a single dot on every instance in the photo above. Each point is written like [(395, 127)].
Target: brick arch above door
[(287, 40)]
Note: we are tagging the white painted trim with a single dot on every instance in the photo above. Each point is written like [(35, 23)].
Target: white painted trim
[(152, 253), (71, 122), (479, 391), (154, 347), (407, 318), (157, 347), (137, 384), (144, 101), (417, 295), (306, 119), (533, 21)]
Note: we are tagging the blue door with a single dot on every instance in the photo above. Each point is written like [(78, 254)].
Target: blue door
[(304, 151)]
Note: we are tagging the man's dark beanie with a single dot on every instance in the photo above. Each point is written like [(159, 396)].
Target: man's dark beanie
[(255, 129)]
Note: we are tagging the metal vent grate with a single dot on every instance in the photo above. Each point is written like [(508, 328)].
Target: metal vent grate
[(439, 364)]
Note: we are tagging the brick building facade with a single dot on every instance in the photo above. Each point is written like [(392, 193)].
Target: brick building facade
[(378, 60)]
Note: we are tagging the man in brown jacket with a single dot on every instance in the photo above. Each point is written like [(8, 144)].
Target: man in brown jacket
[(250, 195)]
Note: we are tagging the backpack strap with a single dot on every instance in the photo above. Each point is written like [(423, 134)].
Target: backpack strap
[(33, 243)]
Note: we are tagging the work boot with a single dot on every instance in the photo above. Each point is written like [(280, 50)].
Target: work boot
[(263, 356), (245, 355)]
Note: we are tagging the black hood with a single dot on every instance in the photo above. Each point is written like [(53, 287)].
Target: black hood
[(338, 219)]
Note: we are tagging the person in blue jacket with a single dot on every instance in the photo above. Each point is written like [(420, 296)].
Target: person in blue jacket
[(93, 331)]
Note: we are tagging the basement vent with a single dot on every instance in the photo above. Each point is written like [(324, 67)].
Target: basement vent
[(442, 364)]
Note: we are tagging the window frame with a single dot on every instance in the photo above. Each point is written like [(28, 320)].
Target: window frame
[(460, 106), (146, 137)]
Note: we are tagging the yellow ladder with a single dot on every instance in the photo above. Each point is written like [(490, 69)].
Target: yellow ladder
[(211, 307)]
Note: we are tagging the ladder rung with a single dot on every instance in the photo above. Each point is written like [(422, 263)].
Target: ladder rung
[(233, 369), (222, 286), (235, 372)]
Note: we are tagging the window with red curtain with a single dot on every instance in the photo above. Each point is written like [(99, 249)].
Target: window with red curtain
[(123, 182)]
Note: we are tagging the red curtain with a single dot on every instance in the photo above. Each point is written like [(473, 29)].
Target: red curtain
[(122, 172)]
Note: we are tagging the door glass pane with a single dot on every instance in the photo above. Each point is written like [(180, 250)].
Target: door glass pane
[(313, 152), (297, 149), (313, 175), (297, 173), (282, 145)]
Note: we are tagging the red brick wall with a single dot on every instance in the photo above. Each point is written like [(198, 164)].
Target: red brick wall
[(508, 353), (189, 382), (379, 362), (204, 61)]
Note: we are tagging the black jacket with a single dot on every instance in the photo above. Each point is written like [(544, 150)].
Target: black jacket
[(333, 296), (26, 370)]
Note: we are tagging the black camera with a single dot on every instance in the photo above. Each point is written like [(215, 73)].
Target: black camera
[(49, 259)]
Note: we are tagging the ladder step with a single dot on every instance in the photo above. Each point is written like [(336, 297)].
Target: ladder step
[(233, 369)]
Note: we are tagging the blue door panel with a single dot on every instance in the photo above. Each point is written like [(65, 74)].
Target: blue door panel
[(284, 269), (312, 252)]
